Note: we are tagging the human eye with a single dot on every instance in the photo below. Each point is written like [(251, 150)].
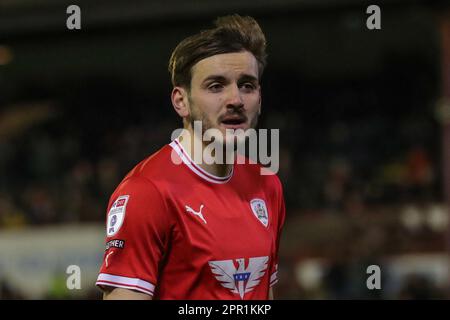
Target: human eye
[(215, 87), (248, 86)]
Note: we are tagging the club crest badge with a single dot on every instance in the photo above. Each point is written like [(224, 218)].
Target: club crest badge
[(260, 211), (116, 215)]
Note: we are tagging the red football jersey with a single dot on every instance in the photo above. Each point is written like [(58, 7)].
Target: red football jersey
[(174, 231)]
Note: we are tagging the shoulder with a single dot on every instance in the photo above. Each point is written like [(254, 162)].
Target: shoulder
[(257, 174), (143, 203), (143, 183), (139, 193), (153, 166), (161, 169)]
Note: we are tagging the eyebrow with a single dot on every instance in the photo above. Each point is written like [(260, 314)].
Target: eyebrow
[(244, 77), (215, 78), (248, 77)]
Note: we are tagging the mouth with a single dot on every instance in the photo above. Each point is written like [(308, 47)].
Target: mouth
[(234, 122)]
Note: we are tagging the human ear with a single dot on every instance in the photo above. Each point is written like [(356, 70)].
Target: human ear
[(180, 101)]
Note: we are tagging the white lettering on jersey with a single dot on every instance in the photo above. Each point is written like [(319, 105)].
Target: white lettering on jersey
[(199, 213), (260, 211), (239, 280), (116, 215)]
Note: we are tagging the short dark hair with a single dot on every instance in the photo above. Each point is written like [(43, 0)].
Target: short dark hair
[(232, 33)]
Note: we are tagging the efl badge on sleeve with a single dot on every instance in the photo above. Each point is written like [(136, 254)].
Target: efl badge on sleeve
[(260, 211), (116, 215)]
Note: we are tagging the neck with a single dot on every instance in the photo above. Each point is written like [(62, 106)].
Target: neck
[(194, 145)]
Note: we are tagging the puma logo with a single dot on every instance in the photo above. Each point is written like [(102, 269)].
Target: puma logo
[(199, 213)]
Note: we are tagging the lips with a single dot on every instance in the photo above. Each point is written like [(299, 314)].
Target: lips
[(233, 121)]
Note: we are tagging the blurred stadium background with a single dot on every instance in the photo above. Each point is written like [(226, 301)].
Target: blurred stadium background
[(364, 129)]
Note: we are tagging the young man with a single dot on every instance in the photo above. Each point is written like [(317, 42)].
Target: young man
[(181, 230)]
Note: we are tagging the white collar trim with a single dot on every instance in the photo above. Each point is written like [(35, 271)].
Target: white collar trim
[(187, 160)]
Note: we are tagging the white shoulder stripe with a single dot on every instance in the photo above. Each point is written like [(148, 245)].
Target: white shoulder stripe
[(125, 282)]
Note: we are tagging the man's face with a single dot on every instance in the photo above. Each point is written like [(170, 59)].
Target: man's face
[(225, 92)]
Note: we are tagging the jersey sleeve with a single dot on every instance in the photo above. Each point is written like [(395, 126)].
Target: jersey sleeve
[(278, 229), (137, 234)]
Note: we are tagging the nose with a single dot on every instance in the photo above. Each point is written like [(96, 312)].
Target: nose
[(234, 98)]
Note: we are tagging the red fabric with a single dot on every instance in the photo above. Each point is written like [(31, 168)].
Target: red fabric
[(174, 250)]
